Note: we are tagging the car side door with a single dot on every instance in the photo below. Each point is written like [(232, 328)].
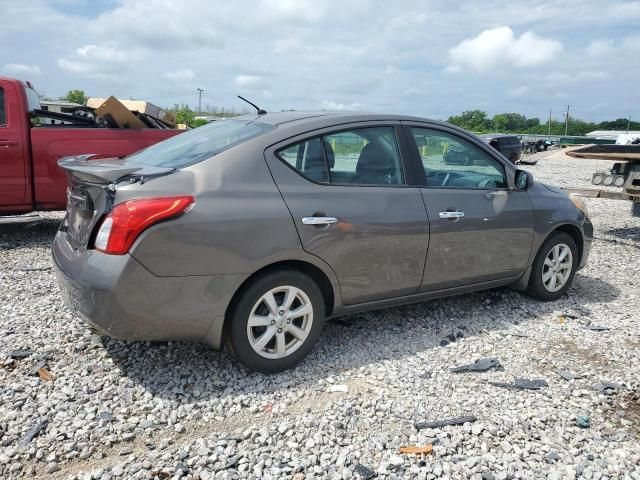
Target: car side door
[(481, 226), (355, 205)]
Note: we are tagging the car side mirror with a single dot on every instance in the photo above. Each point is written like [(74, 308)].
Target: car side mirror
[(524, 180)]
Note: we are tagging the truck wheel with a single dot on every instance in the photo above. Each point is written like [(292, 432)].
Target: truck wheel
[(553, 268), (276, 321)]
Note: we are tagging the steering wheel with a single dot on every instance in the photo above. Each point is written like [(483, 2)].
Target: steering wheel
[(486, 183)]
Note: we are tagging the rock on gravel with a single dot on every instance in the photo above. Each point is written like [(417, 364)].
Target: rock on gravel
[(109, 397)]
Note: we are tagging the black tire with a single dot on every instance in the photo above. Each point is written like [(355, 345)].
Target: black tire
[(238, 337), (536, 288)]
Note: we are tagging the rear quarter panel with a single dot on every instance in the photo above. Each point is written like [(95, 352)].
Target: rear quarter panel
[(50, 144), (238, 225)]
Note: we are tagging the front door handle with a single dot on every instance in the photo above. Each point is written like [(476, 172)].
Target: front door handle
[(451, 215), (8, 143), (319, 220)]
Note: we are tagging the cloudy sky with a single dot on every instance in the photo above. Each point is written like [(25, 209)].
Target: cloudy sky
[(432, 58)]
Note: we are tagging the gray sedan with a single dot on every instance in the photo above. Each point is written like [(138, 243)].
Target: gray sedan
[(250, 232)]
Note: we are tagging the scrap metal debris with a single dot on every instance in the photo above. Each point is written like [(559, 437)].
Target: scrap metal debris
[(598, 328), (417, 449), (33, 432), (583, 421), (365, 473), (339, 388), (522, 384), (445, 423), (45, 374), (568, 376), (19, 354), (480, 365), (608, 388)]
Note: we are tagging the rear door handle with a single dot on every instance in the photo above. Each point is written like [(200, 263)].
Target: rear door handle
[(8, 143), (319, 220), (451, 215)]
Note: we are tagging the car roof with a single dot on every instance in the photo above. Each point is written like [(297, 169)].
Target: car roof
[(323, 116)]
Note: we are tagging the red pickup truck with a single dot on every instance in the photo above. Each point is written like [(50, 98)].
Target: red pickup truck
[(30, 178)]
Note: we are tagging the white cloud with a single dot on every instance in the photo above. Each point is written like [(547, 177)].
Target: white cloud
[(631, 43), (518, 91), (74, 66), (583, 76), (286, 44), (331, 105), (102, 53), (248, 81), (20, 69), (305, 10), (600, 47), (99, 61), (183, 76), (499, 47)]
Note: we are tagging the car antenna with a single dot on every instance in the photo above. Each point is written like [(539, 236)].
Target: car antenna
[(260, 111)]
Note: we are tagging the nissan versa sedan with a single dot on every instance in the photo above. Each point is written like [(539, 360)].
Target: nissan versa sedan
[(250, 232)]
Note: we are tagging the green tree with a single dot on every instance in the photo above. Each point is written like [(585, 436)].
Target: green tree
[(473, 120), (509, 122), (184, 114), (75, 96)]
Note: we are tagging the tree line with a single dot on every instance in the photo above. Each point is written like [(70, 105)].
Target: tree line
[(479, 121)]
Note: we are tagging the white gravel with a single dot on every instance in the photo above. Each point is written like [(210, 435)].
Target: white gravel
[(174, 410)]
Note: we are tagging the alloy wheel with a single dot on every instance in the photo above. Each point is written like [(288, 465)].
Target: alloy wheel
[(280, 322), (557, 267)]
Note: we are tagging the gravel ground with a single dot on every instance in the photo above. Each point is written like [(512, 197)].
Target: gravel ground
[(176, 410)]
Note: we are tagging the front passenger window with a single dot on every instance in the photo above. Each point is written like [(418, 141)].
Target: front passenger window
[(451, 162)]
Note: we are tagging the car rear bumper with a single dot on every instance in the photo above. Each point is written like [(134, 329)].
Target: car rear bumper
[(120, 298)]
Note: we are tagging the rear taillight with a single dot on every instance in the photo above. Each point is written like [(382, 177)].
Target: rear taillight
[(129, 219)]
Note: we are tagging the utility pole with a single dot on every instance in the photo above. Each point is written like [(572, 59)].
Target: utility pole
[(566, 121), (200, 90), (628, 123), (549, 122)]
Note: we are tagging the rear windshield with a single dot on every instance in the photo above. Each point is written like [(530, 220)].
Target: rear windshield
[(32, 98), (199, 144)]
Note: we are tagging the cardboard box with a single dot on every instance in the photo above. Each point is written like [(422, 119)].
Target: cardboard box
[(138, 106)]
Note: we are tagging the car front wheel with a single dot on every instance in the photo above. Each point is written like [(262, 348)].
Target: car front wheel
[(554, 267), (276, 321)]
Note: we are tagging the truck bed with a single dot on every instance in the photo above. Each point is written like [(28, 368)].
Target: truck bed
[(50, 144)]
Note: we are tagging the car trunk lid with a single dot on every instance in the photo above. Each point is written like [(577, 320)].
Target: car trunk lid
[(91, 191)]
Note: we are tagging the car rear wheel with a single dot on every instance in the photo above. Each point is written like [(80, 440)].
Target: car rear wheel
[(554, 267), (276, 321)]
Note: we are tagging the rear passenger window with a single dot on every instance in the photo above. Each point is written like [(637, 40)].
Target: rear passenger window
[(307, 158), (364, 156), (3, 115)]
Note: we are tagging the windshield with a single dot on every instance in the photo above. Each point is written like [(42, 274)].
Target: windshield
[(199, 144)]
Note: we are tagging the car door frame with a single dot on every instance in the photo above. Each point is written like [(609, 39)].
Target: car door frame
[(406, 155), (270, 154), (509, 172)]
